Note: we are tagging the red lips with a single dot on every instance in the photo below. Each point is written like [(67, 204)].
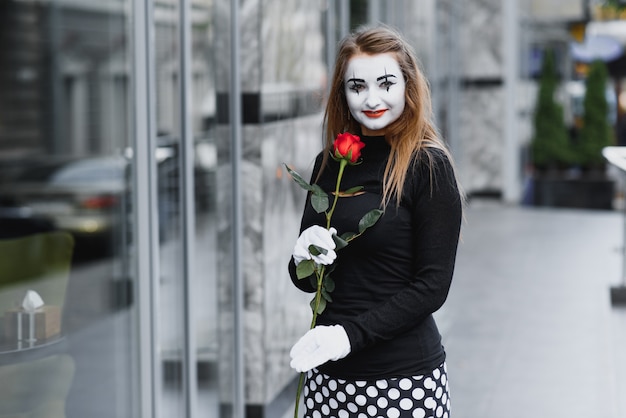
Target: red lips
[(374, 113)]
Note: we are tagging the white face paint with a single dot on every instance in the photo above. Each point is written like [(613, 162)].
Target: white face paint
[(374, 87)]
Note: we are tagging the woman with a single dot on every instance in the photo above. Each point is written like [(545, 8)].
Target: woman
[(376, 350)]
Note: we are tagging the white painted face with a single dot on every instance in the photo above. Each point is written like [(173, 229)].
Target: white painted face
[(374, 87)]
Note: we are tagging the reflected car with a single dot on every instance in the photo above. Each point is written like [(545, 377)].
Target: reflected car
[(82, 196), (89, 197)]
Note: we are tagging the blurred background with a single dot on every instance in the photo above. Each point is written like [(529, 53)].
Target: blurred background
[(143, 198)]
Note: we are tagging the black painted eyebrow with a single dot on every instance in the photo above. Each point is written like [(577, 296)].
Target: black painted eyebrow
[(386, 76), (357, 80)]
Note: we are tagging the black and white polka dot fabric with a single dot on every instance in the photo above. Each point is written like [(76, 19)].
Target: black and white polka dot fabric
[(424, 396)]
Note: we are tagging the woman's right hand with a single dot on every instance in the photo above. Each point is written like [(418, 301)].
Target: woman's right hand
[(319, 237)]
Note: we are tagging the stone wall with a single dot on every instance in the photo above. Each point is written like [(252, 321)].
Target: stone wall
[(282, 75), (482, 101)]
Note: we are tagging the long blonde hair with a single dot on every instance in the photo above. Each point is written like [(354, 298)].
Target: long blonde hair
[(412, 133)]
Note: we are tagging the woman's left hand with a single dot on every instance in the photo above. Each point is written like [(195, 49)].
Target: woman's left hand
[(319, 345)]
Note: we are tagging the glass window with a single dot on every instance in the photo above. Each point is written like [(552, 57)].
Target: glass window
[(206, 312), (173, 301), (65, 211), (69, 259)]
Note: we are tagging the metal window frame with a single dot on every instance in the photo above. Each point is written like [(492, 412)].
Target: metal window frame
[(145, 214), (511, 164), (237, 206), (190, 379), (144, 199)]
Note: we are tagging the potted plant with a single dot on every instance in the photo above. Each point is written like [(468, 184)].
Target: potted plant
[(550, 145), (596, 132), (569, 170)]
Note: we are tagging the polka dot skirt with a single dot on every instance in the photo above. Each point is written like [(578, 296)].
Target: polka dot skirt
[(424, 396)]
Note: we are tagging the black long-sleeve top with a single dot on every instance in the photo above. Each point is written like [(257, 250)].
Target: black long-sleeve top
[(390, 280)]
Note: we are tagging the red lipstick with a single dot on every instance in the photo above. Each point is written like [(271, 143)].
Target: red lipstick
[(374, 113)]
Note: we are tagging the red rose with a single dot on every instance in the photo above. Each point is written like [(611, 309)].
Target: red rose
[(347, 147)]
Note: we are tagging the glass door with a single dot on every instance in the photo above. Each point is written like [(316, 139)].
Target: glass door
[(186, 159)]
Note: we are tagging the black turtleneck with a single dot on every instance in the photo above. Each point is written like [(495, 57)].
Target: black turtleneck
[(390, 280)]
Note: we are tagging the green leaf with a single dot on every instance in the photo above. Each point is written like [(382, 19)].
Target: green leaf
[(326, 295), (329, 284), (315, 250), (319, 199), (321, 306), (329, 270), (339, 242), (369, 219), (305, 269), (348, 236), (355, 189), (298, 179)]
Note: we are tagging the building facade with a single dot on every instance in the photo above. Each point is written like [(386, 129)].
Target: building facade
[(155, 133)]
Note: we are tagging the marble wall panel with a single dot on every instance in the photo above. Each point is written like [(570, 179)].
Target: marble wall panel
[(252, 258), (287, 313), (293, 44), (481, 131), (480, 39), (221, 44), (282, 45), (481, 107), (276, 313), (250, 18)]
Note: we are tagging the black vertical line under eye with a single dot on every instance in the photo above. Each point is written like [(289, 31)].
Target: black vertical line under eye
[(385, 78), (355, 82), (354, 85)]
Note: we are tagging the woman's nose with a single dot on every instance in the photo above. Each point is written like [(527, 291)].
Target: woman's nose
[(373, 100)]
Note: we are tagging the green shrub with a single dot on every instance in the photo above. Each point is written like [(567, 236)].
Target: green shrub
[(550, 145), (596, 132)]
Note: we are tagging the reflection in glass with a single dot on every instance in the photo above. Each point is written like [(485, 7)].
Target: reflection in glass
[(66, 167), (204, 273), (171, 202), (64, 178), (172, 299)]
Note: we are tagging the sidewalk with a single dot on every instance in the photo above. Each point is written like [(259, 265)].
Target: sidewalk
[(528, 326)]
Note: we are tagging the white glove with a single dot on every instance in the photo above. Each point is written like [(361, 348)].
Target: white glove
[(320, 237), (319, 345)]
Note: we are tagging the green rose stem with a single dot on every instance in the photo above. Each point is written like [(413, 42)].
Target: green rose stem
[(329, 214), (320, 276)]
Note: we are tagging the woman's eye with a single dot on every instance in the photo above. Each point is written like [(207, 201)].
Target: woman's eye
[(386, 84), (356, 87)]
